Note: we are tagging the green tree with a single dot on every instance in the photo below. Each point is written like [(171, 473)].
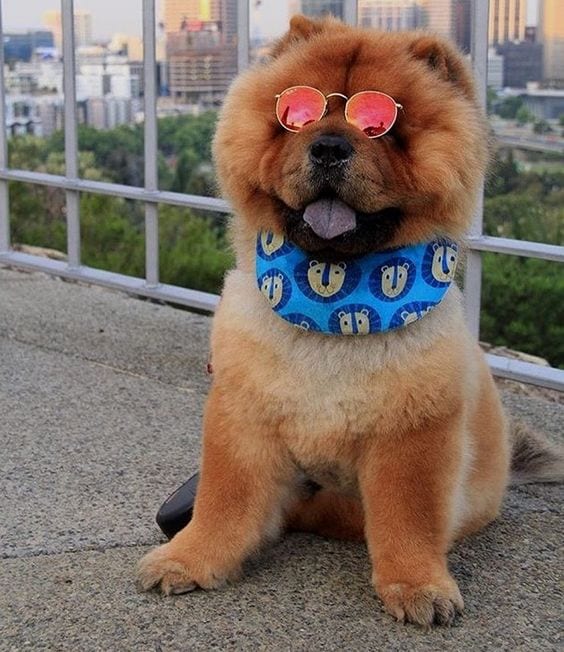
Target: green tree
[(508, 107), (193, 252), (523, 115), (503, 176), (523, 299), (542, 127), (523, 217), (111, 238), (491, 99), (523, 305)]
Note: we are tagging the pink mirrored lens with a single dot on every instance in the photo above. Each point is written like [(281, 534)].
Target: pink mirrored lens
[(299, 106), (372, 112)]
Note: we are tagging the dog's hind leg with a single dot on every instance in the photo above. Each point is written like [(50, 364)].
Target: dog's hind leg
[(328, 514)]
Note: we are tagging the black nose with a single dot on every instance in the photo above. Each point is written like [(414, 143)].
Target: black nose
[(330, 150)]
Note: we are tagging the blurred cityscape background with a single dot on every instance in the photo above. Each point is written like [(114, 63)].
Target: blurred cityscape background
[(197, 54), (523, 299)]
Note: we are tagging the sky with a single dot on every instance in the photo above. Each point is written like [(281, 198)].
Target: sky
[(111, 16)]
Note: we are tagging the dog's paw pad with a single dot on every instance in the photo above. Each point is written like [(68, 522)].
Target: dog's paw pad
[(425, 605), (158, 570)]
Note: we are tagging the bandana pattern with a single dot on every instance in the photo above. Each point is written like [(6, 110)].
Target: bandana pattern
[(372, 294)]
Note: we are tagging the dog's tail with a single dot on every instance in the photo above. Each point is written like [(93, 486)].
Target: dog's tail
[(534, 457)]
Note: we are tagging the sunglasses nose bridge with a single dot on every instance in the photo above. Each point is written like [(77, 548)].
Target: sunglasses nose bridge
[(336, 95)]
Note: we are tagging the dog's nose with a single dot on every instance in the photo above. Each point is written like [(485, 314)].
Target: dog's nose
[(330, 150)]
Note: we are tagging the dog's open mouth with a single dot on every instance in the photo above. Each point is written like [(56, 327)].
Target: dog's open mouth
[(329, 226)]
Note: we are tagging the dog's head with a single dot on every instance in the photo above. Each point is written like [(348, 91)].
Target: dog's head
[(416, 182)]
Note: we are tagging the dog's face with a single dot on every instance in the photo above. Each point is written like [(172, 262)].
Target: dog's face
[(416, 182)]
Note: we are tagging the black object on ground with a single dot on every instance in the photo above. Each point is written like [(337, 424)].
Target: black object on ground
[(176, 511)]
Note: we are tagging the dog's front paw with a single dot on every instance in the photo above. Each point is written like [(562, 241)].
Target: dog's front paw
[(173, 571), (424, 605)]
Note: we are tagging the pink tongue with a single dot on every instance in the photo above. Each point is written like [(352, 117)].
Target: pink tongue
[(330, 218)]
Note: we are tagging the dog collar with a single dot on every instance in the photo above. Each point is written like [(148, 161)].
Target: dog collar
[(375, 293)]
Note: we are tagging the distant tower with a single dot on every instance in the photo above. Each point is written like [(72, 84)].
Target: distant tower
[(82, 27), (321, 7), (450, 18), (551, 35), (439, 16), (176, 11), (201, 49), (507, 21), (389, 15)]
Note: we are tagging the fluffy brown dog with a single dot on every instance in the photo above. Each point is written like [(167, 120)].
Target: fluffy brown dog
[(403, 430)]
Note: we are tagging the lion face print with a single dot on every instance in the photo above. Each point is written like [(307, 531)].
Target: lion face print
[(411, 312), (354, 319), (271, 242), (354, 322), (444, 262), (326, 279), (276, 288), (394, 279)]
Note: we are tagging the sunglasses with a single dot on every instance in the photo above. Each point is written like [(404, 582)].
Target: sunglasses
[(373, 112)]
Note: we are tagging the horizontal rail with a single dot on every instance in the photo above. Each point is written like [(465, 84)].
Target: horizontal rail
[(534, 145), (478, 243), (162, 291), (117, 190), (526, 372), (517, 247)]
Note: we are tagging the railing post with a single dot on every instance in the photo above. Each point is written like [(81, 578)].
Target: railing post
[(151, 144), (71, 136), (473, 270), (243, 34), (4, 197), (350, 12)]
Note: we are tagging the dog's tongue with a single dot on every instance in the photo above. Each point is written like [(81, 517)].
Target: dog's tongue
[(330, 218)]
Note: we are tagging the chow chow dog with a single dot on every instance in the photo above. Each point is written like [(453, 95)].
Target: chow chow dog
[(360, 154)]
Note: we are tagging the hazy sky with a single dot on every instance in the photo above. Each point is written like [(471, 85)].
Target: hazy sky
[(124, 16)]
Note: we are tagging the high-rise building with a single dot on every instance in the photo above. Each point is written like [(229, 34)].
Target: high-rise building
[(201, 49), (182, 15), (495, 70), (462, 28), (449, 18), (507, 21), (522, 63), (21, 46), (82, 27), (551, 34), (389, 15), (319, 8), (439, 16), (131, 46)]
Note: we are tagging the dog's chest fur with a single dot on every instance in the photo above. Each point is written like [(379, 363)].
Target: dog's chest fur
[(323, 394)]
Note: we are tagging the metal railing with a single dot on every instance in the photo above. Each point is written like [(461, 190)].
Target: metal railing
[(151, 196)]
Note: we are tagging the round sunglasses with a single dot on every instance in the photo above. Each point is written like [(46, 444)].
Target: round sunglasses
[(373, 112)]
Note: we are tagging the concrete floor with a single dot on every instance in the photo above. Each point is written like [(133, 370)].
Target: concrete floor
[(100, 409)]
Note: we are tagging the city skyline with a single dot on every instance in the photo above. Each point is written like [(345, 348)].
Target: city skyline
[(109, 17)]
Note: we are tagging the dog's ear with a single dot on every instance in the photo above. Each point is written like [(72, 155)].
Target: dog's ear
[(445, 61), (302, 28)]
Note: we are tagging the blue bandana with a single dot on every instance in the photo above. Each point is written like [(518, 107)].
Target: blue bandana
[(371, 294)]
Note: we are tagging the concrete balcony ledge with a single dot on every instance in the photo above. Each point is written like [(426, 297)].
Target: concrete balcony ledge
[(101, 399)]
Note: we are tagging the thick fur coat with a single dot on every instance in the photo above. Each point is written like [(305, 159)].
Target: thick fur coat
[(402, 432)]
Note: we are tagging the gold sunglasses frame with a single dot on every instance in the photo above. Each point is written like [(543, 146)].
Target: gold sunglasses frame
[(278, 96)]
